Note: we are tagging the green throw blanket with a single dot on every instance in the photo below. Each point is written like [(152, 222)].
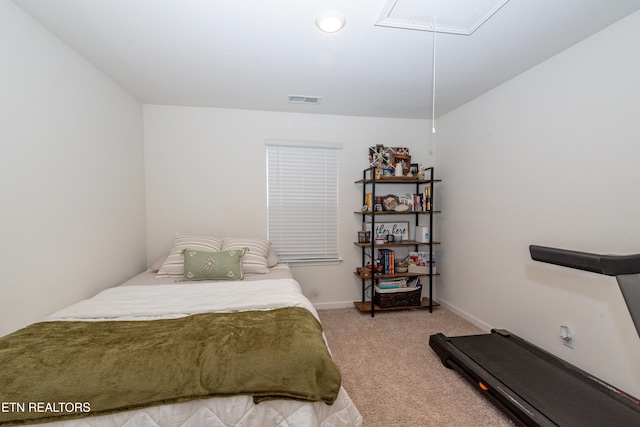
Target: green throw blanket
[(58, 370)]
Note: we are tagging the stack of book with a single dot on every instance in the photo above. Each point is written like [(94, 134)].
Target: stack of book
[(422, 201), (392, 284), (386, 259)]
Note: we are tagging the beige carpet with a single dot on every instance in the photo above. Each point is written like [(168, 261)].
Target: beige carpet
[(394, 377)]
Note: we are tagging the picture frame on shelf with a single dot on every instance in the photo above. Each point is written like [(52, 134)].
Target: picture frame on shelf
[(405, 159), (396, 229), (389, 202), (381, 157), (364, 236)]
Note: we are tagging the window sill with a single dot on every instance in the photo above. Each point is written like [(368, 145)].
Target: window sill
[(311, 262)]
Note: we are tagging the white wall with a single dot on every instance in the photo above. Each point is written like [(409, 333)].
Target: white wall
[(549, 158), (206, 171), (72, 181)]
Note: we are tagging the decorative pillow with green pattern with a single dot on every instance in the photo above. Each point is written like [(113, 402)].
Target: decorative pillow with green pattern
[(222, 265)]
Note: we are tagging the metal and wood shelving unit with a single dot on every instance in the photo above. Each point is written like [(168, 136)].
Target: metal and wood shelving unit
[(369, 249)]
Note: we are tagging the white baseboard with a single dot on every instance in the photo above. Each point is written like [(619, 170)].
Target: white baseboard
[(330, 305), (479, 323)]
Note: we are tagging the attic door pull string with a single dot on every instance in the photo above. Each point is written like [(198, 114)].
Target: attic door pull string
[(433, 82)]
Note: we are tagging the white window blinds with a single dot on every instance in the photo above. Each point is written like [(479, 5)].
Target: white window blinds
[(302, 200)]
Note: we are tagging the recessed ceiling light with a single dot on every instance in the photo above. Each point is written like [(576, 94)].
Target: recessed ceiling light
[(330, 21)]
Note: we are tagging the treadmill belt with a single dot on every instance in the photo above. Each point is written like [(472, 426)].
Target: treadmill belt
[(566, 395)]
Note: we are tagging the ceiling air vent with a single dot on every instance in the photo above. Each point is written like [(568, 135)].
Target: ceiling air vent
[(301, 99)]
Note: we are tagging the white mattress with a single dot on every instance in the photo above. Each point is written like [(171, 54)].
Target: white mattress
[(145, 297)]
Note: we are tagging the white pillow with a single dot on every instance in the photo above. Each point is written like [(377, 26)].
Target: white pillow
[(173, 266), (255, 260), (272, 257), (156, 265)]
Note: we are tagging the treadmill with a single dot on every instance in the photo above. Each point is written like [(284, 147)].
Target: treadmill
[(534, 387)]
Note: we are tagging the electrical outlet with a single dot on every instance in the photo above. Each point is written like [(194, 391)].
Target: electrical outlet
[(567, 336)]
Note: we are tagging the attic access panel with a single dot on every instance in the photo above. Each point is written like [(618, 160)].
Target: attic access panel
[(448, 16)]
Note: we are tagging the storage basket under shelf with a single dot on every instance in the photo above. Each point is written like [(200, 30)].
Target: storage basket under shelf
[(398, 297)]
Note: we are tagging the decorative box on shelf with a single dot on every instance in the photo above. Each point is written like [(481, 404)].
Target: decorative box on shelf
[(363, 272), (419, 262), (398, 297)]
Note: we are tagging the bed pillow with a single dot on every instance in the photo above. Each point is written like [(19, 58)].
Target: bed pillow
[(222, 265), (156, 265), (255, 259), (272, 258), (173, 266)]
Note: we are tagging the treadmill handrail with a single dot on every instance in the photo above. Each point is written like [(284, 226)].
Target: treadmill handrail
[(610, 265)]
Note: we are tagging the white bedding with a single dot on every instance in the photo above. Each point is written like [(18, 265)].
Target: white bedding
[(165, 301), (171, 300)]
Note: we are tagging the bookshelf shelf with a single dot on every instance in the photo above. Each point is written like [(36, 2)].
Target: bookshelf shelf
[(386, 245), (365, 306), (399, 213), (398, 275)]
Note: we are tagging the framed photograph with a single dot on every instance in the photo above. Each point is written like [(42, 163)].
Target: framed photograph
[(395, 229), (414, 169), (381, 157), (405, 159)]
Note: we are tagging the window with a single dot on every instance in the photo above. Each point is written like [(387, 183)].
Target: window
[(302, 200)]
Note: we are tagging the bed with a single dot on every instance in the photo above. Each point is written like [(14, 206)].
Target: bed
[(122, 350)]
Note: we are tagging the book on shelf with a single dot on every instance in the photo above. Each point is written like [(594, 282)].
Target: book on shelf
[(392, 283), (386, 259), (422, 201), (418, 202)]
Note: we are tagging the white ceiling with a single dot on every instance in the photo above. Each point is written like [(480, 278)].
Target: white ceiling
[(252, 54)]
